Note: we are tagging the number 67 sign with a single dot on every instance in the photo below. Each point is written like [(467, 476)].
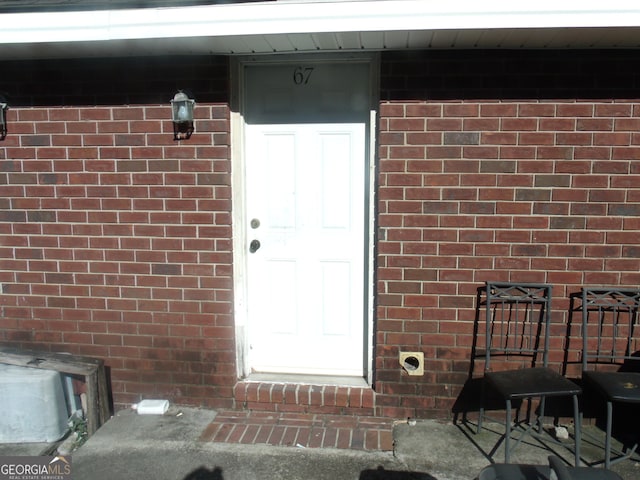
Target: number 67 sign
[(302, 75)]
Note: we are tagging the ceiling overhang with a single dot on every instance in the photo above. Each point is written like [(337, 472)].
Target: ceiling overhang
[(289, 27)]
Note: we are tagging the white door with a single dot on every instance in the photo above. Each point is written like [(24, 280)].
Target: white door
[(305, 231)]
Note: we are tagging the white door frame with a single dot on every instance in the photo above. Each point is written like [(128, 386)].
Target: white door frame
[(240, 234)]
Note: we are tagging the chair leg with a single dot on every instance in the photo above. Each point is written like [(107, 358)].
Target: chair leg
[(607, 438), (577, 427), (540, 420), (507, 433), (481, 409)]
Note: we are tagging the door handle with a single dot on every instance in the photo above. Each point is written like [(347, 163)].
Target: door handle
[(254, 246)]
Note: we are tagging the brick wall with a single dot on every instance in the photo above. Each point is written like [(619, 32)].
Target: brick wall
[(115, 239), (509, 166)]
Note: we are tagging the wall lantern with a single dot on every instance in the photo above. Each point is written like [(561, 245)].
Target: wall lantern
[(182, 116), (3, 119)]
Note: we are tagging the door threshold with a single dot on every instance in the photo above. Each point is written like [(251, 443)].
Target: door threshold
[(294, 378)]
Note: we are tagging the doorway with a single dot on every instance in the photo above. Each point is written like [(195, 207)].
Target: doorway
[(304, 247)]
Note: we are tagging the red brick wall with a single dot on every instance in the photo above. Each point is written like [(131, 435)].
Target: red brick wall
[(115, 239), (509, 166)]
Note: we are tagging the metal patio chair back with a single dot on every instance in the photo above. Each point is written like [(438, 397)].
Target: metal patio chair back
[(517, 317), (611, 352)]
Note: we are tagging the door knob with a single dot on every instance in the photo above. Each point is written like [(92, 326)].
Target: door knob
[(254, 246)]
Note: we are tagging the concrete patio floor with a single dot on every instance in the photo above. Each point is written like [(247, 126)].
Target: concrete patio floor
[(183, 445)]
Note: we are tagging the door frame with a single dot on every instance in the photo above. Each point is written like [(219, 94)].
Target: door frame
[(238, 176)]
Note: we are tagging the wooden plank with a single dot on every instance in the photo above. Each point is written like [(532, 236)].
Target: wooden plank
[(61, 362), (93, 404), (103, 395)]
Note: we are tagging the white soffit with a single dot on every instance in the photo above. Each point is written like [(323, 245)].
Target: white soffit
[(289, 26)]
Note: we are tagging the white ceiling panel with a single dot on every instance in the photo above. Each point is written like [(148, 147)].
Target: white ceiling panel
[(302, 42), (349, 40), (491, 38), (396, 40), (280, 43), (444, 39), (326, 42), (372, 40), (419, 39), (468, 37), (532, 38)]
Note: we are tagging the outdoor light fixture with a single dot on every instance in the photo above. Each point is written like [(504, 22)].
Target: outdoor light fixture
[(3, 119), (182, 116)]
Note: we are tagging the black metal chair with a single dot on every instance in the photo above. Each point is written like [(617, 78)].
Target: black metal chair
[(611, 353), (517, 323)]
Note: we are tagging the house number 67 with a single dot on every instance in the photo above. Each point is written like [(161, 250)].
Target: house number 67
[(301, 75)]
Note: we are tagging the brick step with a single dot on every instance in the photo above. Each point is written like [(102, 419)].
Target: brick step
[(287, 397)]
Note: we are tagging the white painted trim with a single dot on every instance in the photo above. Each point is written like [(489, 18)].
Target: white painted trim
[(280, 379), (372, 220), (291, 17), (237, 218)]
